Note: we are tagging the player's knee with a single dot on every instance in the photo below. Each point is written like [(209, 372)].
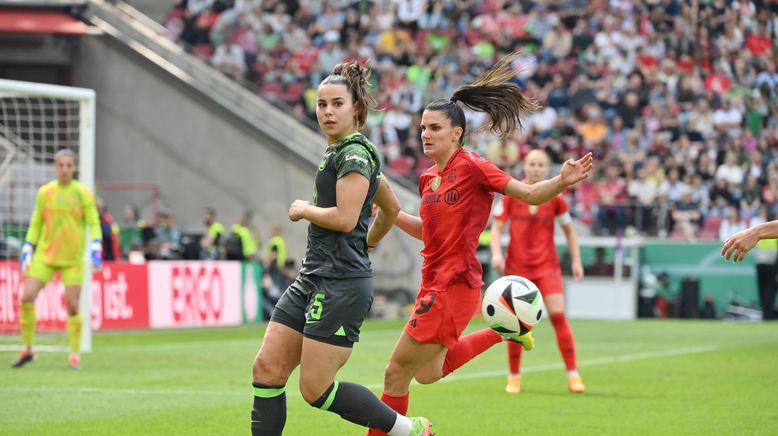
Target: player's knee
[(266, 372), (311, 392), (427, 378), (396, 378)]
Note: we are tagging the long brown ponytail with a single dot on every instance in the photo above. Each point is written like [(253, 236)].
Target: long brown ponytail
[(493, 94)]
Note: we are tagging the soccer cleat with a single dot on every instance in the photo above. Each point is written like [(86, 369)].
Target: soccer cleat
[(421, 427), (25, 357), (526, 340), (74, 361), (514, 385), (575, 384)]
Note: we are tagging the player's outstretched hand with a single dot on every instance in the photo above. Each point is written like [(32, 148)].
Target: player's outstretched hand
[(573, 171), (739, 244), (296, 209)]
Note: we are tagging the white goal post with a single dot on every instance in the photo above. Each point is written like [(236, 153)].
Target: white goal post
[(37, 120)]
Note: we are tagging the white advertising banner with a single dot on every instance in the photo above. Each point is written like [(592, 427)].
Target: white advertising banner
[(194, 294)]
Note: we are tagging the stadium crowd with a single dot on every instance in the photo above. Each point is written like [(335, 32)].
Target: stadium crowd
[(678, 99)]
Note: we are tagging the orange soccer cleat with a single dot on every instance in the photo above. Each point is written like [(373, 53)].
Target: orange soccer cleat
[(575, 384), (74, 361), (514, 385)]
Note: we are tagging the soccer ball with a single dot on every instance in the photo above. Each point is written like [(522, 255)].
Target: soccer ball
[(512, 305)]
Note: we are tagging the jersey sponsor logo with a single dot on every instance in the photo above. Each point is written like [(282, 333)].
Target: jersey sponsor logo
[(425, 305), (356, 157), (435, 183), (451, 196), (431, 199)]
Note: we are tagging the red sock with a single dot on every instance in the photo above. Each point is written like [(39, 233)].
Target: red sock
[(468, 347), (398, 404), (564, 339), (514, 357)]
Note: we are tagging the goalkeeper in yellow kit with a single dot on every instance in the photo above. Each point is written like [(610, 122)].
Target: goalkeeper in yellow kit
[(55, 243)]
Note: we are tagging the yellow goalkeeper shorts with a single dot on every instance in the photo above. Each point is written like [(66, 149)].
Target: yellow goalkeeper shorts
[(71, 274)]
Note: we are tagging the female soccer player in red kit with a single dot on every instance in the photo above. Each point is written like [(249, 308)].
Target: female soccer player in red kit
[(538, 262), (456, 200)]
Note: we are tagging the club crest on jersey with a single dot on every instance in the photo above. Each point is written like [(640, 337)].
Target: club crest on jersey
[(435, 183), (452, 176)]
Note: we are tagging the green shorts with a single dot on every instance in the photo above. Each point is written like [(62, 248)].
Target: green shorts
[(324, 309), (71, 274)]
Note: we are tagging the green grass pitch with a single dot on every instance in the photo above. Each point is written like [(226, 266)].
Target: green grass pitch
[(642, 377)]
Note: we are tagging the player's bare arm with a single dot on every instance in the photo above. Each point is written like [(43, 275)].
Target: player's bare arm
[(409, 224), (498, 261), (738, 245), (388, 209), (351, 191), (575, 250), (573, 171)]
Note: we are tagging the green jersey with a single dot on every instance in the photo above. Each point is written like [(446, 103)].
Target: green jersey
[(330, 253)]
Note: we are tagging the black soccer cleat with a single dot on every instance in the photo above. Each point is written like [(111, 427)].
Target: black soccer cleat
[(25, 357)]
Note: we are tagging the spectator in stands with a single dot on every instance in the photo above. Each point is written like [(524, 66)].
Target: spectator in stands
[(167, 237), (111, 246), (230, 59), (686, 216), (732, 224), (215, 234), (242, 244), (275, 250), (131, 228), (612, 195)]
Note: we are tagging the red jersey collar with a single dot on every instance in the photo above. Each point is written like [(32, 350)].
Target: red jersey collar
[(451, 159)]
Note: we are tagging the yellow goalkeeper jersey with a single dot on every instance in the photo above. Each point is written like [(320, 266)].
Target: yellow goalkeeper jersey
[(58, 224)]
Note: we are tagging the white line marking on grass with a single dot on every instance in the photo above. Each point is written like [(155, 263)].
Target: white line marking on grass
[(589, 362), (467, 376)]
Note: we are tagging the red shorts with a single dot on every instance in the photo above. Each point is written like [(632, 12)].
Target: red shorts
[(550, 283), (440, 317)]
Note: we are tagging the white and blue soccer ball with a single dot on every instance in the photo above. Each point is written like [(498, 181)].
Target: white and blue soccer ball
[(512, 305)]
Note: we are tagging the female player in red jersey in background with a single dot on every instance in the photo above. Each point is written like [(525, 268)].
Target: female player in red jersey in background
[(532, 254), (456, 201)]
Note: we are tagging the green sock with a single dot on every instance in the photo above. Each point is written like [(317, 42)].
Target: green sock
[(27, 323)]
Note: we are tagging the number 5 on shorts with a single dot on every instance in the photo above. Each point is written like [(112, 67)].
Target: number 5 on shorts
[(316, 306)]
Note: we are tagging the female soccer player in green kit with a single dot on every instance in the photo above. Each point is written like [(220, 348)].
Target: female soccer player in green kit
[(318, 318), (55, 243)]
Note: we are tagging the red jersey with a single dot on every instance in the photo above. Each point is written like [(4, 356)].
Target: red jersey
[(455, 207), (531, 252)]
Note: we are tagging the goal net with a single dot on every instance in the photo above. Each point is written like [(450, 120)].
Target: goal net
[(37, 120)]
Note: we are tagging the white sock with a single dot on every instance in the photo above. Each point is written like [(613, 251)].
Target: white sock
[(512, 375), (402, 427), (572, 372)]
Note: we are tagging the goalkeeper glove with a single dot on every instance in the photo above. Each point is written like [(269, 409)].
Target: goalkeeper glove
[(25, 259), (96, 253)]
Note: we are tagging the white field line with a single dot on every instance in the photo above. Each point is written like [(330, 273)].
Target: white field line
[(465, 376)]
